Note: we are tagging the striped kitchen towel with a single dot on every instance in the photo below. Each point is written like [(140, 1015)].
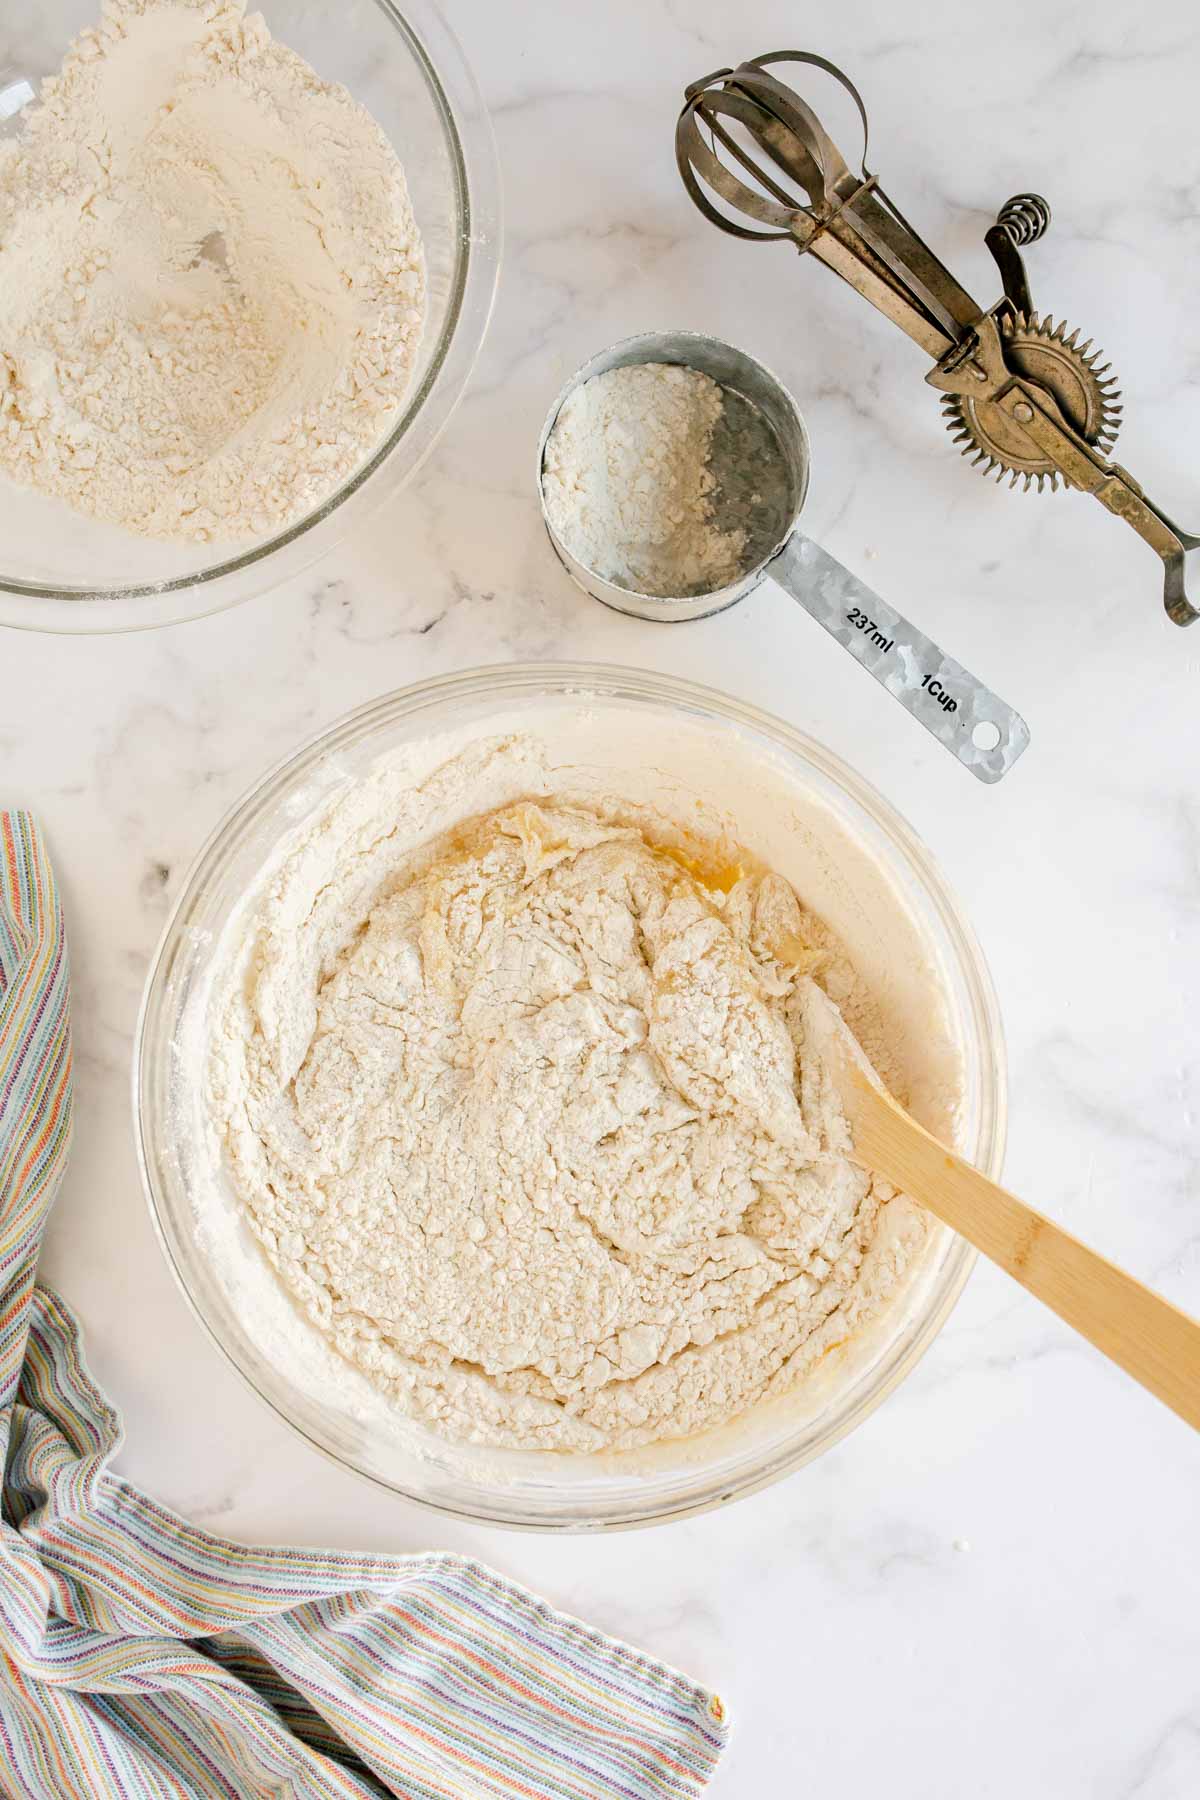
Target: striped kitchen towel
[(141, 1657)]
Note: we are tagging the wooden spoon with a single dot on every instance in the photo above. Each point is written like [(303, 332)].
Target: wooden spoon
[(1148, 1337)]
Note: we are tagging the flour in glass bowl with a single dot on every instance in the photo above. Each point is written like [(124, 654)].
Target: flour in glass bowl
[(212, 286)]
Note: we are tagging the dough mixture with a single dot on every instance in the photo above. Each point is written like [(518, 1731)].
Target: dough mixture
[(211, 283), (526, 1124)]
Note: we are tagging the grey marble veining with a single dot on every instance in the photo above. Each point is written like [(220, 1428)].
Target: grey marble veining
[(993, 1587)]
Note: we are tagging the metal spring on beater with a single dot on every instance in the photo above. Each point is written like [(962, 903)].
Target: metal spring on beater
[(1025, 217)]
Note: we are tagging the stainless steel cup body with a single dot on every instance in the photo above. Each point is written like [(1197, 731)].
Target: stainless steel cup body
[(731, 369)]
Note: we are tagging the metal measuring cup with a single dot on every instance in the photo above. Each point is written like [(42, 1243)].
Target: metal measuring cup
[(761, 458)]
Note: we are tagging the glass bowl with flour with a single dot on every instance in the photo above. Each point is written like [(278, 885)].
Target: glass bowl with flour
[(474, 1108), (238, 326)]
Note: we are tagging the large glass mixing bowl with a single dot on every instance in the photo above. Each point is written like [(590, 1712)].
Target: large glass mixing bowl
[(60, 571), (284, 1360)]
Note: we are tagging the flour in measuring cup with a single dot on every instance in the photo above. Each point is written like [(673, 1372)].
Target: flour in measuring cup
[(629, 486)]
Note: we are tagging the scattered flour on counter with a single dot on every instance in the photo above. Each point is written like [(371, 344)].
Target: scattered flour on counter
[(525, 1121), (211, 282), (628, 485)]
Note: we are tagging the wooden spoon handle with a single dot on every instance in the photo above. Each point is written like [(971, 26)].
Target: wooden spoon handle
[(1151, 1339)]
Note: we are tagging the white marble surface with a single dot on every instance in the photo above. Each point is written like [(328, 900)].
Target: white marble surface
[(993, 1588)]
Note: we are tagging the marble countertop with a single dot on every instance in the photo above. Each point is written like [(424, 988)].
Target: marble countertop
[(993, 1587)]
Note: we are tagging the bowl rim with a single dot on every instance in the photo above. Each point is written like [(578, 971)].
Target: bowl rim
[(69, 608), (561, 680)]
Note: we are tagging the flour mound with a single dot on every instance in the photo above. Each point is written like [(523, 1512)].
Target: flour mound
[(211, 284), (628, 484), (533, 1137)]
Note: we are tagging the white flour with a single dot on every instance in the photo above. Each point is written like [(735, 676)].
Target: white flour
[(211, 282), (524, 1118), (628, 485)]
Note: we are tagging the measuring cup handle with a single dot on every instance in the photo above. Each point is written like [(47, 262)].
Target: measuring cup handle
[(984, 733)]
